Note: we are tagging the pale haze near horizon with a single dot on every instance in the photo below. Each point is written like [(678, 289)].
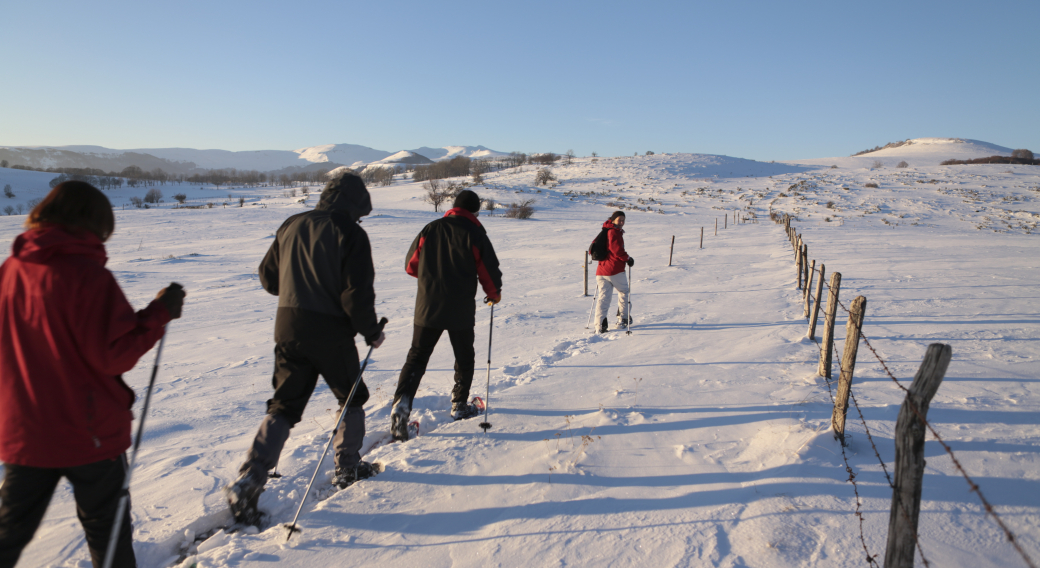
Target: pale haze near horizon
[(767, 81)]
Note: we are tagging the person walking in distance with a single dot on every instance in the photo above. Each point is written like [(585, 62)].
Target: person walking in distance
[(320, 267), (610, 274), (67, 334), (449, 256)]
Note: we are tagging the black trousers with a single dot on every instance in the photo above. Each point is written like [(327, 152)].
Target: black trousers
[(97, 487), (424, 339), (297, 365)]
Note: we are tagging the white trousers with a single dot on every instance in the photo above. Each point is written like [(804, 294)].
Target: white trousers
[(606, 285)]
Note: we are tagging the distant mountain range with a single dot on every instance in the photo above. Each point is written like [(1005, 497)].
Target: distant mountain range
[(188, 160)]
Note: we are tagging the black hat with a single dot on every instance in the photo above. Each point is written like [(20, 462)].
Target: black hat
[(467, 200)]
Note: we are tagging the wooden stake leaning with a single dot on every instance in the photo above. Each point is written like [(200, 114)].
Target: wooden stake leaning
[(848, 365), (805, 265), (807, 295), (828, 327), (909, 464), (671, 249), (816, 304)]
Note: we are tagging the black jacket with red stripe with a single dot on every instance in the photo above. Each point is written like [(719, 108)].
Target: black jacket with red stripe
[(449, 257)]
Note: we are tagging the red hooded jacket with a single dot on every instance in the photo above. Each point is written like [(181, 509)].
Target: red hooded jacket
[(67, 333), (616, 255)]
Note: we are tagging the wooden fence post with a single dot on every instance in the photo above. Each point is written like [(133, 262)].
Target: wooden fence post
[(807, 295), (670, 250), (805, 265), (702, 232), (848, 365), (716, 227), (725, 222), (909, 464), (828, 327), (816, 305), (586, 274), (798, 264)]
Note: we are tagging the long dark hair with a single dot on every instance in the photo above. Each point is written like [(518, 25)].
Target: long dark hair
[(76, 206)]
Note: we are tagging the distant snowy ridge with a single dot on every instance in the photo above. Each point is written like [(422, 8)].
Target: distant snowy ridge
[(188, 160)]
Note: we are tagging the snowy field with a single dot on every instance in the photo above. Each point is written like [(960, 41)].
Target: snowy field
[(702, 439)]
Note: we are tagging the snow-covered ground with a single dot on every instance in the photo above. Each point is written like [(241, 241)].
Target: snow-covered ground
[(701, 439)]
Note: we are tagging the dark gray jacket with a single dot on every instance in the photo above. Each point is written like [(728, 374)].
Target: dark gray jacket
[(320, 267)]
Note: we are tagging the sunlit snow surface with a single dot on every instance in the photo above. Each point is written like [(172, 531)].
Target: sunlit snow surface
[(701, 439)]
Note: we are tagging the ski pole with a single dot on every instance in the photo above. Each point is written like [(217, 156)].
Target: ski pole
[(110, 553), (593, 308), (346, 406), (485, 425), (628, 330)]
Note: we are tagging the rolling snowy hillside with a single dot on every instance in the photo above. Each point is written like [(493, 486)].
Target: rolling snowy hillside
[(702, 439)]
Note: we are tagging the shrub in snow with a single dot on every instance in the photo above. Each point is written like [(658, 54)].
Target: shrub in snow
[(544, 176), (903, 164), (870, 184), (153, 196), (7, 191), (181, 198), (877, 165), (522, 210)]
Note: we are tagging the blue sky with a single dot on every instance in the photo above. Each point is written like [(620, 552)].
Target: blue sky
[(760, 80)]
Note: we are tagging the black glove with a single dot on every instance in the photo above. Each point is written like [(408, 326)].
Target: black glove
[(631, 261), (172, 297), (376, 334)]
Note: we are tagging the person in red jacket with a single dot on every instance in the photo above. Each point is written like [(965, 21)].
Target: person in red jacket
[(67, 333), (610, 274)]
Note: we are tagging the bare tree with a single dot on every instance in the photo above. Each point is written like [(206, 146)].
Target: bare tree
[(9, 210), (181, 198), (903, 164), (569, 156), (877, 165), (544, 176), (7, 191), (153, 196), (435, 194)]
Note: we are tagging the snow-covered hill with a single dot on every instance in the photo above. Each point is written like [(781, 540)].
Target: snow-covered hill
[(700, 440), (917, 152)]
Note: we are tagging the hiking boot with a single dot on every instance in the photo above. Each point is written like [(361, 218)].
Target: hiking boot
[(347, 477), (399, 420), (242, 497), (463, 410), (603, 326)]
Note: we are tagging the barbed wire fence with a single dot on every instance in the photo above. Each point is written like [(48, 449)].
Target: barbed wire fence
[(805, 274)]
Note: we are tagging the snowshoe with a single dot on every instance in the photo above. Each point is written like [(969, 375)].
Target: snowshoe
[(478, 402), (363, 470), (462, 411), (242, 497)]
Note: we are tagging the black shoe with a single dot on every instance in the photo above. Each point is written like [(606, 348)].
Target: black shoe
[(242, 497), (603, 326), (347, 477), (399, 421), (463, 410)]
